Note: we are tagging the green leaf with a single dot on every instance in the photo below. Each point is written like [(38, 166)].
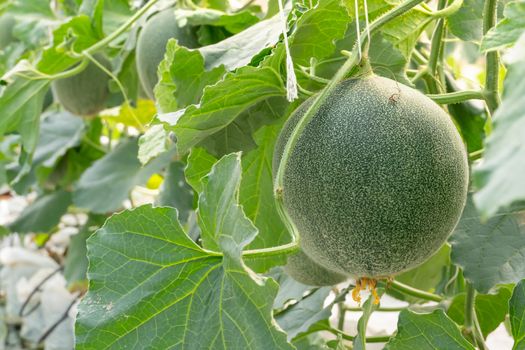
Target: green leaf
[(508, 30), (31, 7), (404, 31), (153, 143), (256, 192), (239, 134), (59, 132), (21, 104), (233, 22), (498, 176), (317, 30), (386, 60), (491, 252), (175, 192), (316, 342), (223, 102), (43, 214), (219, 213), (337, 344), (238, 50), (298, 318), (183, 77), (257, 195), (199, 164), (491, 309), (166, 285), (76, 263), (427, 331), (517, 315), (115, 14), (467, 22), (368, 307), (22, 99), (107, 183), (289, 289), (33, 21), (77, 34)]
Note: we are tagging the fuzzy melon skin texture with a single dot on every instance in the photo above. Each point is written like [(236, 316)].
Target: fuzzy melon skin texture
[(7, 23), (151, 45), (303, 269), (86, 93), (377, 180)]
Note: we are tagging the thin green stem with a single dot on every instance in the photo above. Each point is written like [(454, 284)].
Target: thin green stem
[(492, 98), (408, 290), (346, 336), (284, 249), (92, 144), (362, 324), (476, 154), (62, 75), (469, 307), (381, 309), (447, 11), (304, 71), (436, 48), (420, 74), (452, 279), (471, 319), (69, 73), (342, 313), (419, 58), (478, 334), (140, 126), (457, 97), (304, 91)]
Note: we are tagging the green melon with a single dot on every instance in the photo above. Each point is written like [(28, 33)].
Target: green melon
[(86, 93), (303, 269), (377, 180), (151, 45), (7, 23)]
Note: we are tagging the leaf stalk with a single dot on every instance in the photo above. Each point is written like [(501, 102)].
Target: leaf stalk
[(408, 290), (449, 10), (457, 96), (471, 324), (492, 97)]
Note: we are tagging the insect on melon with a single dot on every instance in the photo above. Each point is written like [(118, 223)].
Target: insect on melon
[(376, 181)]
